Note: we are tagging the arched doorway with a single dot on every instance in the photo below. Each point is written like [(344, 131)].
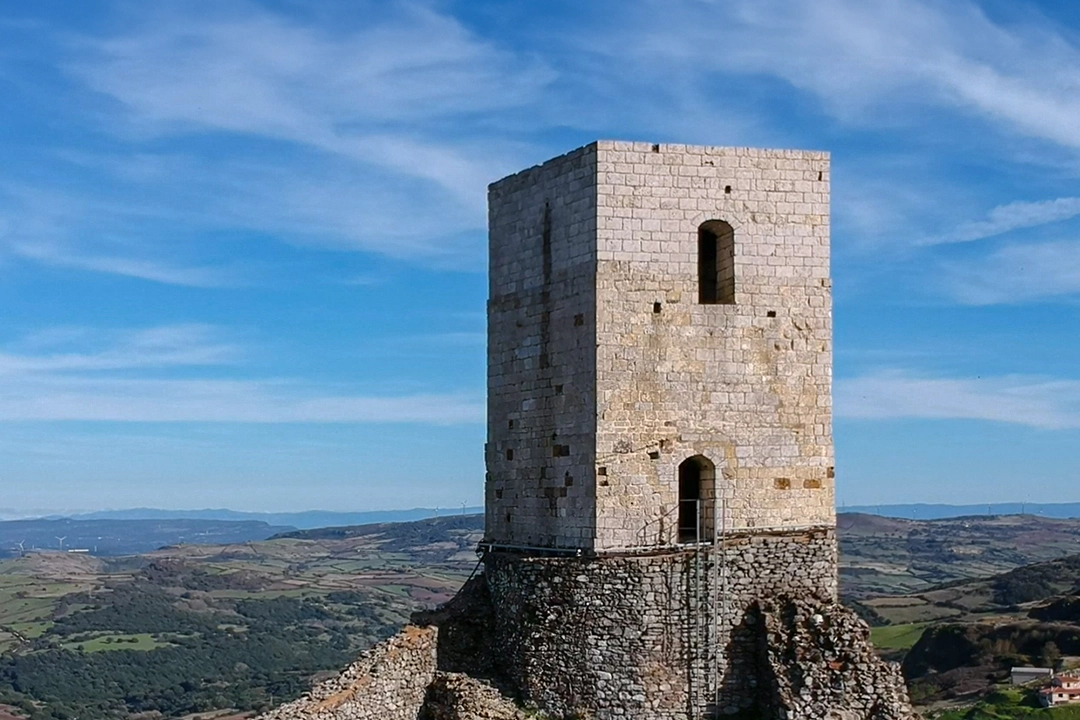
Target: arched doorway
[(697, 488)]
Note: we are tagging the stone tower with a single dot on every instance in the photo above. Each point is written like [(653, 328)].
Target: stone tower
[(660, 446), (660, 531)]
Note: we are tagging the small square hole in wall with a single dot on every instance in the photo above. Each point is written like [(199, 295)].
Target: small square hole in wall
[(831, 473), (509, 518), (656, 148), (579, 319), (656, 307), (558, 389), (820, 175), (510, 424), (654, 454), (771, 313), (498, 494), (568, 479), (782, 483), (812, 483), (509, 454), (727, 189), (602, 471)]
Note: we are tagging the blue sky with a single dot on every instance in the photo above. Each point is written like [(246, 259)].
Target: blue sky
[(242, 245)]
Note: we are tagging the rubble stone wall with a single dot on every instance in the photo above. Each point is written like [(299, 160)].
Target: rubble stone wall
[(648, 636), (388, 682), (816, 663)]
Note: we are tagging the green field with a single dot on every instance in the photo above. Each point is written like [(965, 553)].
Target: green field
[(897, 637), (1010, 705), (113, 641)]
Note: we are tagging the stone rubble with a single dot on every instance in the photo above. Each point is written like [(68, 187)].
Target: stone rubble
[(388, 682), (816, 663)]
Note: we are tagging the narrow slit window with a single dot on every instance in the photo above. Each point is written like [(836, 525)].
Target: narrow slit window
[(716, 263)]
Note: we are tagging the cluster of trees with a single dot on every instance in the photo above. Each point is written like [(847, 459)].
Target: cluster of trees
[(1037, 582), (246, 654)]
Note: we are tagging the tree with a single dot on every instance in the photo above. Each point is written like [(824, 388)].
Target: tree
[(1050, 655)]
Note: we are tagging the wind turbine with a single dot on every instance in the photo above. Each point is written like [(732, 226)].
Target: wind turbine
[(22, 550), (62, 539)]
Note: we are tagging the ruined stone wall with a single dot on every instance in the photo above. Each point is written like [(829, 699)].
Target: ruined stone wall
[(542, 355), (816, 662), (620, 637), (748, 384), (388, 682), (647, 636)]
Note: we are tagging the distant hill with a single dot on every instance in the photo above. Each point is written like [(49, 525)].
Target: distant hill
[(1027, 616), (301, 520), (127, 537), (930, 511), (892, 556)]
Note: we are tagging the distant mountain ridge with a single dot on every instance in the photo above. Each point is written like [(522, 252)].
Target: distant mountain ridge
[(312, 519), (105, 537), (939, 511), (306, 520)]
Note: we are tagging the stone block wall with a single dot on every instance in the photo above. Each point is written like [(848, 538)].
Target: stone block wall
[(542, 355), (648, 636), (746, 385), (605, 372)]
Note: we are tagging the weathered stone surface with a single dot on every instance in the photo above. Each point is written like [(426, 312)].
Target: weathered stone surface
[(455, 696), (653, 635), (388, 682), (592, 640), (816, 663), (605, 371)]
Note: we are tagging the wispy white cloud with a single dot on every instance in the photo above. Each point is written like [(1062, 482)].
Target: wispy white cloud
[(133, 267), (863, 60), (1016, 273), (222, 401), (167, 346), (378, 95), (1013, 216), (379, 128), (43, 380), (1035, 402)]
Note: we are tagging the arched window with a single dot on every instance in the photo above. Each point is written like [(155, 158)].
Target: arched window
[(697, 488), (716, 263)]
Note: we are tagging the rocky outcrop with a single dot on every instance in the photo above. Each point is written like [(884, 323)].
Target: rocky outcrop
[(816, 663)]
